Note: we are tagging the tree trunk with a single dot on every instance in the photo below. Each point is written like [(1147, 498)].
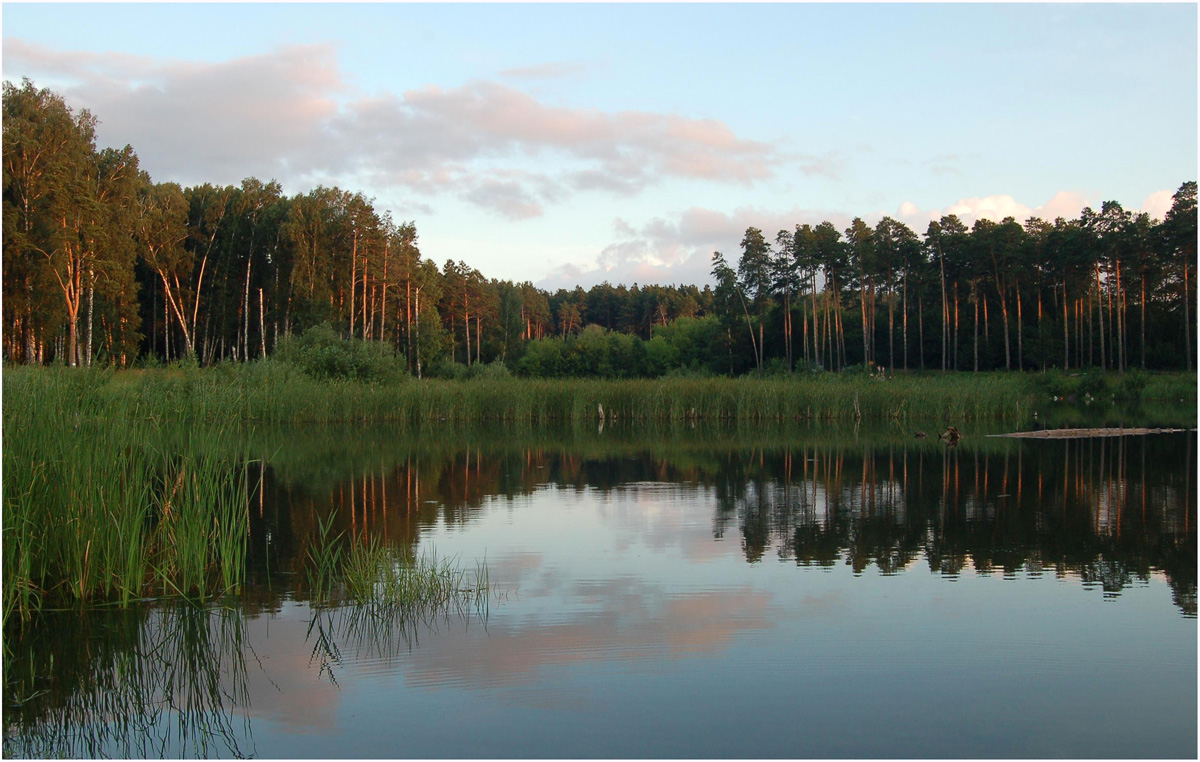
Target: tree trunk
[(891, 328), (246, 313), (787, 302), (862, 300), (262, 333), (975, 298), (91, 296), (1120, 321), (1143, 321), (1187, 321), (353, 278), (904, 311), (761, 347), (921, 330), (956, 331), (1100, 316), (1007, 345), (945, 307), (812, 279), (1020, 328), (1066, 329)]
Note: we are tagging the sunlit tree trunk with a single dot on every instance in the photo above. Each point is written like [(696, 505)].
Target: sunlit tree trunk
[(1066, 329), (1187, 330), (975, 299), (91, 297), (1020, 328)]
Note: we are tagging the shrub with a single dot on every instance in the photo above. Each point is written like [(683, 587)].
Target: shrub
[(1130, 387), (448, 370), (488, 371), (1093, 385), (321, 354)]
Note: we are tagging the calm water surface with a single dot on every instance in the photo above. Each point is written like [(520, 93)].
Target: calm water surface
[(677, 593)]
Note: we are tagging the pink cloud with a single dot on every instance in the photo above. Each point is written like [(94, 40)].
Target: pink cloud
[(262, 115), (286, 114)]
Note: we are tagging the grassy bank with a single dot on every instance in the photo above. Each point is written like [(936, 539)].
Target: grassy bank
[(102, 502), (273, 392)]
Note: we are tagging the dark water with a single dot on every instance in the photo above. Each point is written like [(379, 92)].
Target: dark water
[(672, 593)]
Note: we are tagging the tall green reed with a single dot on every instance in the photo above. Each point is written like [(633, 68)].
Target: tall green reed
[(106, 498)]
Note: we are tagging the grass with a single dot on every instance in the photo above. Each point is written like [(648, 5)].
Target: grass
[(102, 502), (273, 392), (364, 571)]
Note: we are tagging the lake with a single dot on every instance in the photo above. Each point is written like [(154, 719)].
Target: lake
[(668, 592)]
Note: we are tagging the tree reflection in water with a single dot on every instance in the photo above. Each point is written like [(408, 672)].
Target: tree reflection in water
[(1107, 510)]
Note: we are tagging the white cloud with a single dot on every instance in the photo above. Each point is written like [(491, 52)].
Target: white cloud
[(1157, 204), (548, 70), (678, 249), (1066, 204)]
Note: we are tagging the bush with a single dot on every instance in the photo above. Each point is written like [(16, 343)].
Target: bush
[(1130, 387), (1093, 385), (774, 367), (447, 370), (321, 354), (543, 358), (1053, 384), (488, 371)]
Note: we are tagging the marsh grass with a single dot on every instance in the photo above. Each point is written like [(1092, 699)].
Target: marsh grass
[(364, 571), (275, 392), (102, 502)]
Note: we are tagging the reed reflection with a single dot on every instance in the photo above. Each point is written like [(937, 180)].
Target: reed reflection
[(165, 682)]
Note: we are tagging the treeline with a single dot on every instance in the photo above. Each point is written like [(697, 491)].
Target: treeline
[(102, 265)]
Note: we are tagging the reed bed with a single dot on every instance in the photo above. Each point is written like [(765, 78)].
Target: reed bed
[(367, 572), (103, 502), (271, 392)]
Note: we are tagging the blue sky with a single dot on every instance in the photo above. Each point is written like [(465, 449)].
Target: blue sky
[(570, 144)]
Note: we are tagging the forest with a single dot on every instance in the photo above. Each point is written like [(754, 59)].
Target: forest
[(104, 266)]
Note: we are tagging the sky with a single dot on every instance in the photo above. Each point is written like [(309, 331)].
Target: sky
[(569, 144)]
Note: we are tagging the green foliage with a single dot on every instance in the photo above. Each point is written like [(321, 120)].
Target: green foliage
[(1130, 387), (448, 370), (543, 358), (321, 354), (1092, 385), (495, 370), (106, 497), (775, 367)]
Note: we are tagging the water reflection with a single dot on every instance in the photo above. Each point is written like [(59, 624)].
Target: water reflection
[(1109, 511), (165, 682), (645, 572)]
